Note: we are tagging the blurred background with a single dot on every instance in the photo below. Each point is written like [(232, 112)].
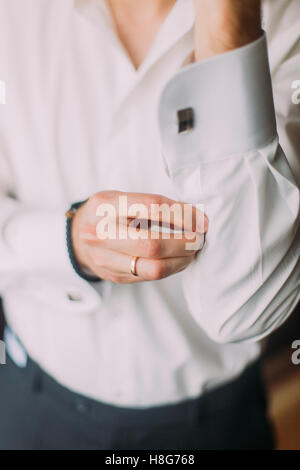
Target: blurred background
[(282, 379)]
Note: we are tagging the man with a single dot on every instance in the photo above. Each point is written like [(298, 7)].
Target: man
[(140, 343)]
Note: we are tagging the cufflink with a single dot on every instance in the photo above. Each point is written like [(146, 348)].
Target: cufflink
[(185, 119)]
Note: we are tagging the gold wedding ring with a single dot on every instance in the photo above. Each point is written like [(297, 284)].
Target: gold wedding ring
[(133, 265)]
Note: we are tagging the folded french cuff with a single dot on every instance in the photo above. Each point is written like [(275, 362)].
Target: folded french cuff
[(218, 108)]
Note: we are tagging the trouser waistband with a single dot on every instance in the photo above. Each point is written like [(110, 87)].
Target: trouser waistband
[(232, 394)]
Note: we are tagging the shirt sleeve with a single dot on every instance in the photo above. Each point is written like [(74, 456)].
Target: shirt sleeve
[(246, 280), (31, 239)]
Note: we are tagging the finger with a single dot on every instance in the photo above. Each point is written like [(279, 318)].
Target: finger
[(115, 277), (111, 266), (153, 270), (120, 264), (110, 228), (145, 245), (148, 244), (153, 207)]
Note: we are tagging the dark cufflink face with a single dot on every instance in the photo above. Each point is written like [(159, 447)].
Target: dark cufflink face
[(186, 120)]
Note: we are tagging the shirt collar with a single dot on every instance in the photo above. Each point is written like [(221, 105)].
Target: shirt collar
[(179, 21), (95, 11)]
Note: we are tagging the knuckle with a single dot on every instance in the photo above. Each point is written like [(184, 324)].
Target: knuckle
[(191, 253), (95, 199), (158, 271), (104, 196), (153, 248), (155, 199), (116, 279)]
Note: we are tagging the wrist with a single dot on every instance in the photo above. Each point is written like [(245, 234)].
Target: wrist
[(224, 25), (75, 245), (79, 245)]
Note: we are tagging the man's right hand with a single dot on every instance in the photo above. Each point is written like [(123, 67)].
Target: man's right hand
[(158, 257)]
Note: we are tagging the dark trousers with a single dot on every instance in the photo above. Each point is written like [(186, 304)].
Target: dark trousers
[(38, 413)]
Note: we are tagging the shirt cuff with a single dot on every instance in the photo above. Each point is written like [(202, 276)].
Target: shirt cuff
[(38, 239), (231, 99)]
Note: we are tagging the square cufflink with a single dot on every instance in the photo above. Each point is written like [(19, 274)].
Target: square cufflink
[(185, 120)]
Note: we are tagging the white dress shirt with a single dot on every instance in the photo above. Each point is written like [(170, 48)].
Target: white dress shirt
[(79, 119)]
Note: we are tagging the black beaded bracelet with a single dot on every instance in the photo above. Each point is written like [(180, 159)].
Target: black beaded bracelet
[(69, 219)]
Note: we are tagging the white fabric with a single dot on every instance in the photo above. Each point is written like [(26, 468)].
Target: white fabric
[(79, 119)]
